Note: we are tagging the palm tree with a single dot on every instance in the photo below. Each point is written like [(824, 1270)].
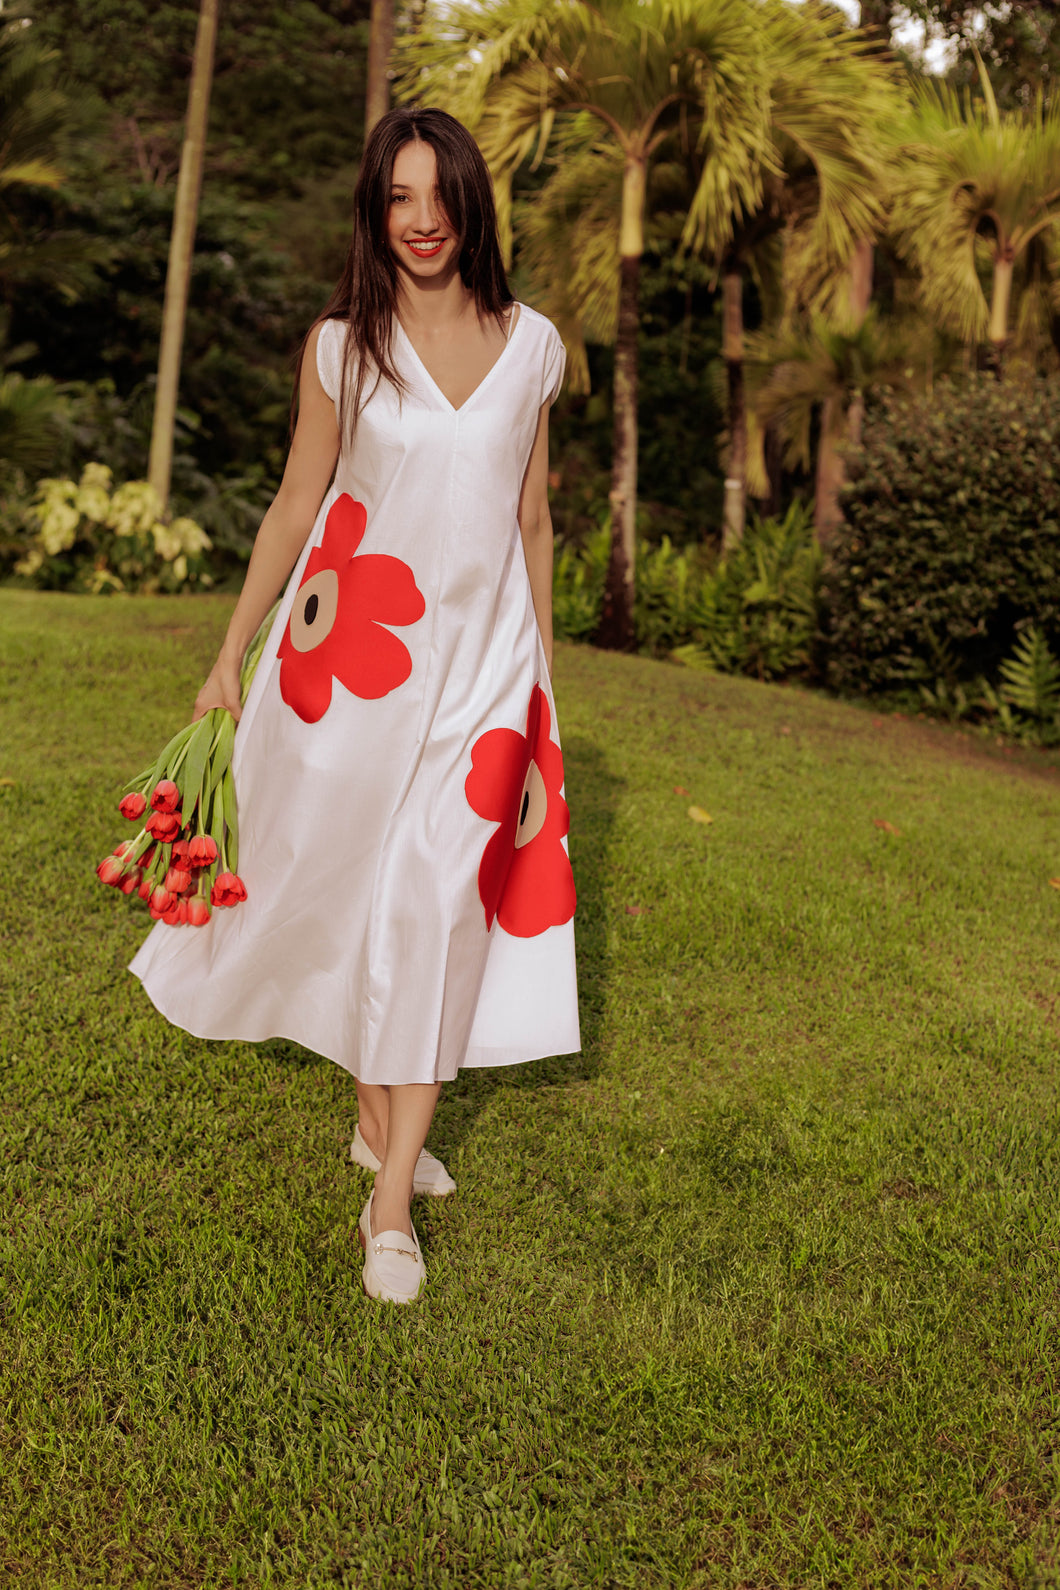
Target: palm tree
[(823, 372), (820, 176), (645, 74), (978, 189), (181, 249)]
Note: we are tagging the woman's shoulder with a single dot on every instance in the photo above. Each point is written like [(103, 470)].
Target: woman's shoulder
[(536, 322), (543, 352), (326, 345)]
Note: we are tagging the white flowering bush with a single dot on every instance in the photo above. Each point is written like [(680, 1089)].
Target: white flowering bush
[(88, 535)]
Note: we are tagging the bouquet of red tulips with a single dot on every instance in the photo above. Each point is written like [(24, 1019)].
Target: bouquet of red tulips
[(184, 859)]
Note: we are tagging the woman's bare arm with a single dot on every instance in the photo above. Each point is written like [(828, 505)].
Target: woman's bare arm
[(535, 525), (282, 533)]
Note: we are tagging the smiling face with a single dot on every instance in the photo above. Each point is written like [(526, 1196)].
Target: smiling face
[(418, 230)]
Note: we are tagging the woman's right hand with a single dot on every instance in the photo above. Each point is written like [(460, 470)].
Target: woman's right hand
[(220, 690)]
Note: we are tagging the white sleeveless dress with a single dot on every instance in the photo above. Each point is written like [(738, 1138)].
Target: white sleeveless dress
[(400, 783)]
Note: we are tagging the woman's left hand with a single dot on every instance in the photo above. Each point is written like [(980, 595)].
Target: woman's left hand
[(220, 690)]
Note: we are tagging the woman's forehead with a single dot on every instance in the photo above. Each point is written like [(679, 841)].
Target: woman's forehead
[(415, 166)]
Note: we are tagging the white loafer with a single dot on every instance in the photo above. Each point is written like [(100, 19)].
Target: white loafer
[(430, 1176), (393, 1264)]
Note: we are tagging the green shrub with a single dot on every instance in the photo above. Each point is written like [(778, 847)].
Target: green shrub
[(754, 612), (84, 536), (952, 536), (1024, 703), (578, 575), (758, 612)]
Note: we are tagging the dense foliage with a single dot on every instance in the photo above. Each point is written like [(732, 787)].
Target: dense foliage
[(82, 267), (952, 542), (755, 611)]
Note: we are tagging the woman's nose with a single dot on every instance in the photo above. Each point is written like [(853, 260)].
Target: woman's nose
[(426, 216)]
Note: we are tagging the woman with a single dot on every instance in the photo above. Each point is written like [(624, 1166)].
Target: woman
[(402, 821)]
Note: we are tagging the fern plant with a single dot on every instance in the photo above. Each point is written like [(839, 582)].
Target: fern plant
[(1031, 678), (578, 577)]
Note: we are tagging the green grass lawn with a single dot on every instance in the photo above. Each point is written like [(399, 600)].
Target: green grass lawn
[(760, 1290)]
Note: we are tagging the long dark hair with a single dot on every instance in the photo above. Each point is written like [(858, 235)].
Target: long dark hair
[(366, 295)]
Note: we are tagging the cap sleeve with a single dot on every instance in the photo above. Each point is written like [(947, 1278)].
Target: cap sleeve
[(330, 345), (555, 364)]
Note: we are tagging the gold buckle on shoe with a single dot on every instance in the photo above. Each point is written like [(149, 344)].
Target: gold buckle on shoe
[(406, 1253)]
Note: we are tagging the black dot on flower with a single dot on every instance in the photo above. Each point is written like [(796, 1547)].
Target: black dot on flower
[(311, 606)]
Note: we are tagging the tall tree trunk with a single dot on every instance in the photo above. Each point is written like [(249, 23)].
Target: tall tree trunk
[(1000, 300), (616, 629), (861, 272), (774, 457), (831, 474), (831, 465), (181, 248), (380, 44), (732, 352)]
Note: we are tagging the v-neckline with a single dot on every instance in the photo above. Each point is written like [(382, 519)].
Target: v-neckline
[(473, 394)]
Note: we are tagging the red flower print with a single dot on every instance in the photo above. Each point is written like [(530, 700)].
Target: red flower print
[(524, 879), (336, 626)]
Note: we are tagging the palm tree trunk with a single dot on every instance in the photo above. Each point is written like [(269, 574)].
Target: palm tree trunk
[(732, 352), (831, 473), (380, 44), (831, 465), (181, 248), (1001, 298), (861, 274), (616, 629)]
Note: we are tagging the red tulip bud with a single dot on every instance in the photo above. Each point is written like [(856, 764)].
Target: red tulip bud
[(166, 797), (133, 806), (177, 880), (198, 911), (131, 882), (179, 853), (202, 852), (173, 916), (228, 890), (147, 888), (110, 871), (161, 900), (163, 826)]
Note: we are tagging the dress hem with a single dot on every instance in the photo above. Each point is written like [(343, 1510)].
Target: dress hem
[(475, 1059)]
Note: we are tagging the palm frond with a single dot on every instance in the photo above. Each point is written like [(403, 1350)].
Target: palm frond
[(29, 419), (823, 365), (972, 184)]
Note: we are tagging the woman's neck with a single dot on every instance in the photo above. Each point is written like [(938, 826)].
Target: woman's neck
[(433, 305)]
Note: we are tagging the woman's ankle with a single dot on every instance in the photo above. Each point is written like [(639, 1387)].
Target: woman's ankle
[(390, 1212)]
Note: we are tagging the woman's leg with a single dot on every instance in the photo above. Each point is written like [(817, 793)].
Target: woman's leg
[(411, 1111), (373, 1116)]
